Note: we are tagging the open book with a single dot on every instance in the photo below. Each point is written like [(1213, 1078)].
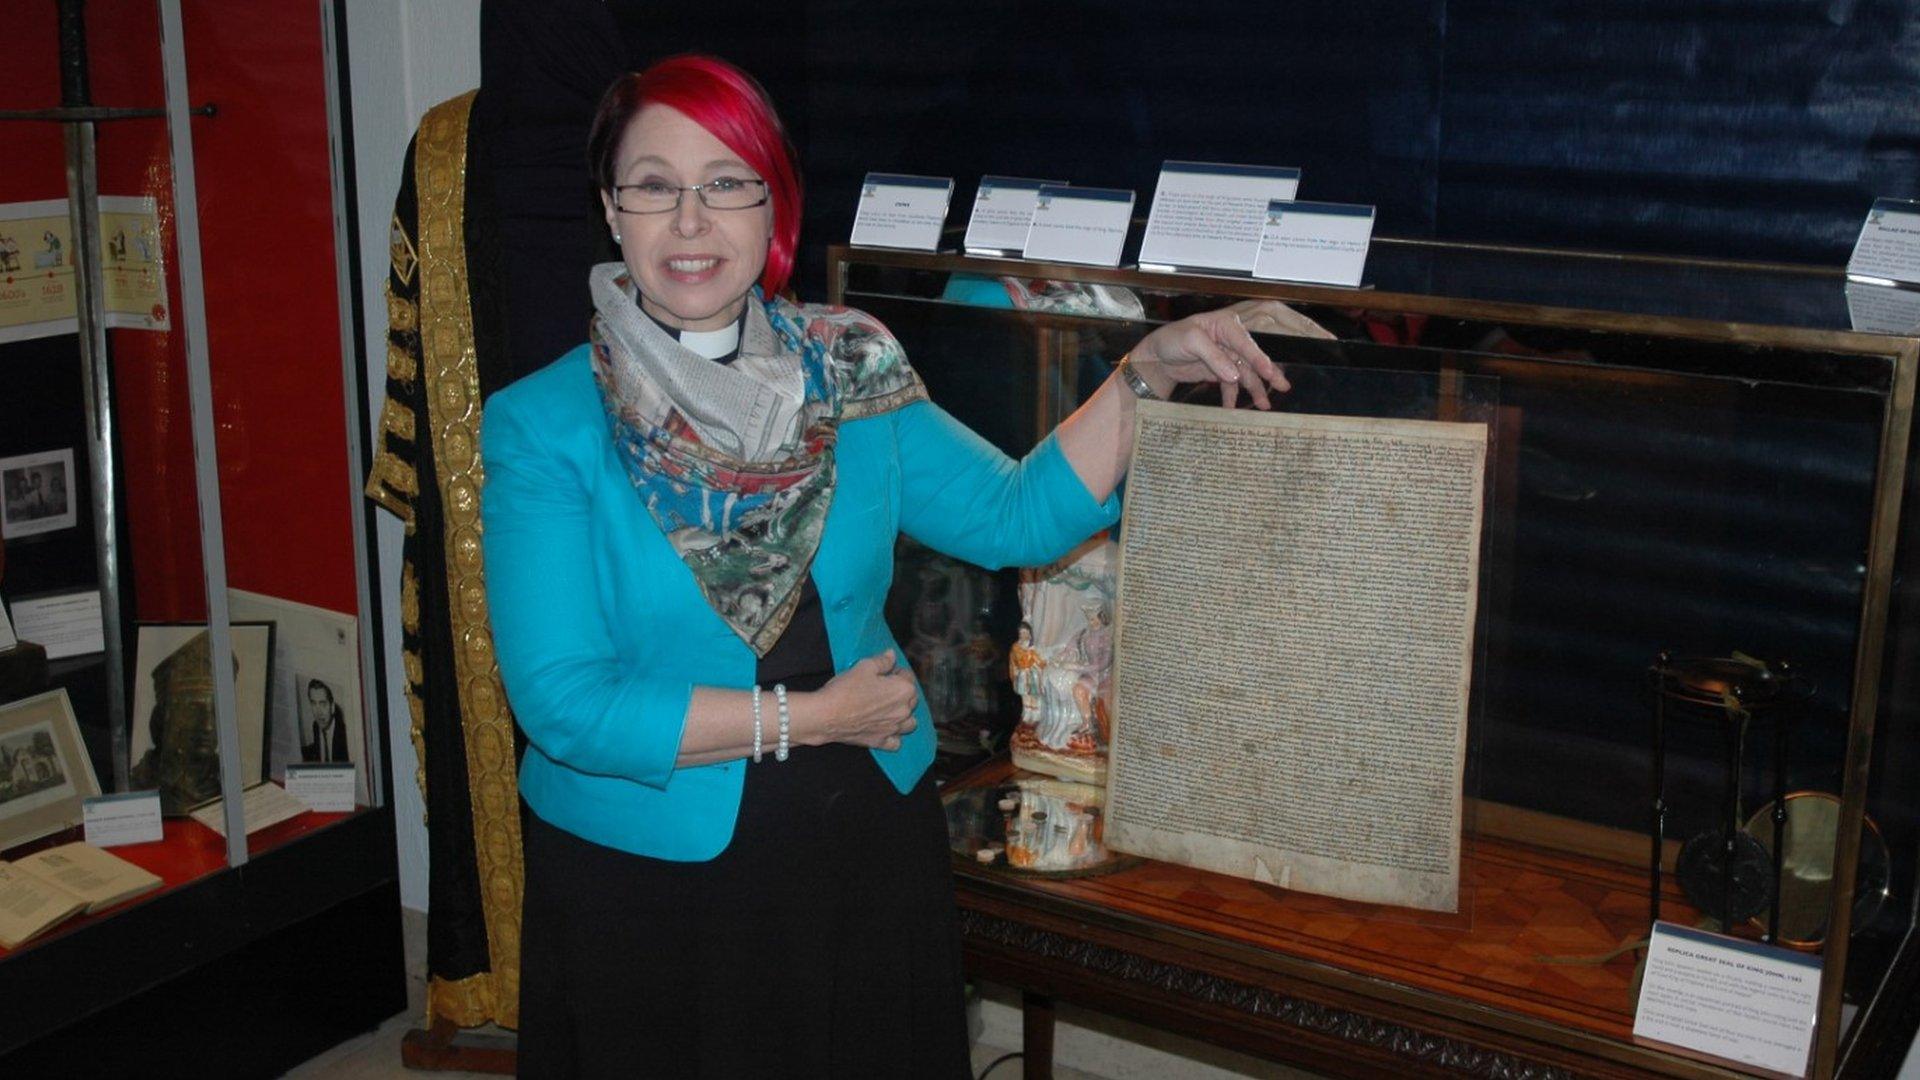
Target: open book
[(45, 888)]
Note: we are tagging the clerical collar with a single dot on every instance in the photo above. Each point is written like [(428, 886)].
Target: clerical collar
[(721, 345)]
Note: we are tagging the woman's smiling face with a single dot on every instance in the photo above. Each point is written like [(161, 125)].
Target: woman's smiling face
[(694, 265)]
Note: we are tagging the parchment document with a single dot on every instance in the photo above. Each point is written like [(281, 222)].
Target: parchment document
[(1294, 647)]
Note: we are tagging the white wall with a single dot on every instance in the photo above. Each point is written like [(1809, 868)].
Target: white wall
[(403, 57)]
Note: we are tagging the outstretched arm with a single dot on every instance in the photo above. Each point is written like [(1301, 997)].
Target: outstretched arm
[(1214, 346)]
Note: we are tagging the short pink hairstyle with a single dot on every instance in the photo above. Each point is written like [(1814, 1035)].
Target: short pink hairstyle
[(734, 109)]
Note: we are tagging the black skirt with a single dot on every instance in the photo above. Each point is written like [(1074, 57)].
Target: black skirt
[(820, 943)]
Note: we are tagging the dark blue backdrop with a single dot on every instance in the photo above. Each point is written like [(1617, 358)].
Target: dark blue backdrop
[(1746, 128), (1754, 128)]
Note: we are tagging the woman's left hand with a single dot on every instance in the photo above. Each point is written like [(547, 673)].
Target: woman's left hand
[(1216, 346)]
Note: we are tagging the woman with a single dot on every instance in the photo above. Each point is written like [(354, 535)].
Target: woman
[(689, 530)]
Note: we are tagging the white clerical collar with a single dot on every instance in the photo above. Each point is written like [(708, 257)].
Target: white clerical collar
[(713, 344)]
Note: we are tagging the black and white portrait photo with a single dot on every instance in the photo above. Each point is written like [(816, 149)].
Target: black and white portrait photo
[(37, 493), (323, 723)]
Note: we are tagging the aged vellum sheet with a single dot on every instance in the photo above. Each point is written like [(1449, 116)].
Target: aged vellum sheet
[(1294, 648)]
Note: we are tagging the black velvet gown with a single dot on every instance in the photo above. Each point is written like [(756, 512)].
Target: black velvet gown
[(820, 943)]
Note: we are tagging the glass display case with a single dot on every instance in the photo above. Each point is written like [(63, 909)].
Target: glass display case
[(1695, 651), (186, 552)]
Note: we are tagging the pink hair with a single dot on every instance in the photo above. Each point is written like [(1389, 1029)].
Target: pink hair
[(732, 107)]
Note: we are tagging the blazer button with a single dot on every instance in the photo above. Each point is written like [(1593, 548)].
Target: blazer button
[(842, 604)]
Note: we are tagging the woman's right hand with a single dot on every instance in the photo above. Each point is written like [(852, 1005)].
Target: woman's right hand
[(869, 704)]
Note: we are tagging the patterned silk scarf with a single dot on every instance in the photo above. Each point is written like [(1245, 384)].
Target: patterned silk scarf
[(735, 462)]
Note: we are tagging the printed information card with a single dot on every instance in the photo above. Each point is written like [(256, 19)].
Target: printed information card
[(1079, 225), (1002, 213), (67, 625), (1208, 217), (1888, 250), (1728, 998), (899, 211), (1883, 309), (326, 788), (261, 805), (1315, 241), (132, 818)]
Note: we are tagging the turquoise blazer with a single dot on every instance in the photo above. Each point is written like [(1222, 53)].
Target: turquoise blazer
[(602, 635)]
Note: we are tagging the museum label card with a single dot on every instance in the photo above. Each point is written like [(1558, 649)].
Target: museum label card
[(131, 818), (326, 788), (1883, 309), (1208, 217), (1315, 241), (1002, 213), (1728, 998), (262, 805), (1888, 250), (65, 625), (1079, 225), (899, 211)]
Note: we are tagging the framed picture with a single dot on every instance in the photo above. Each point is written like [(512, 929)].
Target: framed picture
[(174, 746), (37, 493), (314, 709), (45, 773)]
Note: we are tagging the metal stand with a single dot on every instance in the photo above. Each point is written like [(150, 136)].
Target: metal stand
[(1731, 693)]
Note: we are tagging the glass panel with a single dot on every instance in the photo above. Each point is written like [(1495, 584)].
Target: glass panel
[(72, 724), (1708, 497), (288, 500), (124, 704), (1802, 297)]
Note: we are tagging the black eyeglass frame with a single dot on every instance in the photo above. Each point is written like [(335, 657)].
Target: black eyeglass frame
[(679, 193)]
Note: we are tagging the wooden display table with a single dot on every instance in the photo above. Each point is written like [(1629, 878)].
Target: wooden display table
[(1343, 988)]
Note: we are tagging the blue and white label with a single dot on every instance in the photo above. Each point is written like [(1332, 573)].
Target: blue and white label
[(1729, 998), (1888, 250), (1079, 225), (131, 818), (1314, 241), (1207, 216), (1002, 214), (900, 211)]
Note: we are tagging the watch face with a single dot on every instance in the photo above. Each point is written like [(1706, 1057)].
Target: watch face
[(1732, 888)]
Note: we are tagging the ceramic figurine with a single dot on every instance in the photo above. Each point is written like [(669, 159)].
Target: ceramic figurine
[(1061, 664)]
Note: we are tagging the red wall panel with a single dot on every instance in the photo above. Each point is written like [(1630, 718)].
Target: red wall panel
[(266, 234)]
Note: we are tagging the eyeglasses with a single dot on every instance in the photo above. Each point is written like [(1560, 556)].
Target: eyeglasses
[(726, 193)]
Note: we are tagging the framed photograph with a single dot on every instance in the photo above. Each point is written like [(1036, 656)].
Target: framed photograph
[(314, 711), (174, 746), (37, 493), (45, 773)]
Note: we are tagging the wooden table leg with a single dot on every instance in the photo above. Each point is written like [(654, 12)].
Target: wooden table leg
[(1036, 1035)]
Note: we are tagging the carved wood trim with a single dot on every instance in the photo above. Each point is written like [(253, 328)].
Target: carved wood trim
[(1409, 1044)]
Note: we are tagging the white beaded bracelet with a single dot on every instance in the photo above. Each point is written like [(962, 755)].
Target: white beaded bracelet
[(756, 723), (786, 718)]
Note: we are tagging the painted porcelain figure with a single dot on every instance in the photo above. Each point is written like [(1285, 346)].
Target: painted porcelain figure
[(1062, 665)]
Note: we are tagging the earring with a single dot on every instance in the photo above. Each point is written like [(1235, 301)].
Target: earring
[(616, 238)]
